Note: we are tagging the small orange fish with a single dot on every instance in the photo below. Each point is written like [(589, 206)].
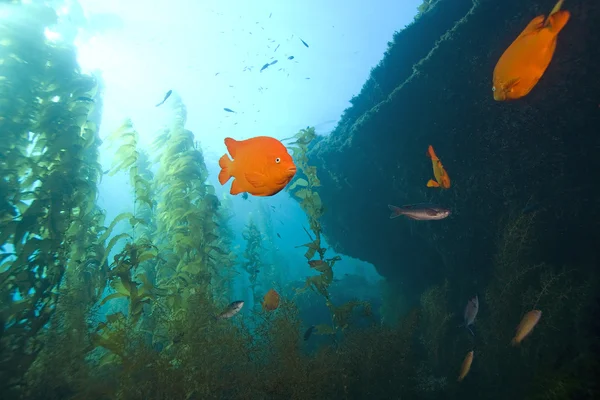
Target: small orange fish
[(524, 62), (527, 324), (466, 366), (271, 300), (261, 166), (441, 177)]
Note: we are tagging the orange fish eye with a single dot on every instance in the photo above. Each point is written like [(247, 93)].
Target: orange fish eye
[(278, 160), (493, 88)]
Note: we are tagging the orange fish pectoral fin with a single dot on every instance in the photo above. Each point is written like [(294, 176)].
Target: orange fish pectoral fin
[(432, 183), (232, 146), (225, 173), (510, 85), (255, 179)]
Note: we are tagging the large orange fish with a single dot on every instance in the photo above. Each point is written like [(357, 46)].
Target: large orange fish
[(524, 62), (261, 166), (527, 324), (466, 366), (271, 300), (441, 177)]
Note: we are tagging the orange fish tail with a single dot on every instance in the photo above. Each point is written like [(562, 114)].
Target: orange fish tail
[(396, 211), (558, 20), (225, 173), (432, 183), (431, 153)]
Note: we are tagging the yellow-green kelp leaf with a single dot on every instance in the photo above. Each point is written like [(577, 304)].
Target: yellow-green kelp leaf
[(118, 218), (112, 244), (298, 182)]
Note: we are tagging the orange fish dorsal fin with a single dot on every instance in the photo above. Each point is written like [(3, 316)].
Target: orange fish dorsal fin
[(232, 146), (432, 183)]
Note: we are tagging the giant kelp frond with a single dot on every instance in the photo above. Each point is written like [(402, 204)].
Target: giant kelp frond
[(127, 154), (253, 263), (186, 218), (312, 206), (49, 172)]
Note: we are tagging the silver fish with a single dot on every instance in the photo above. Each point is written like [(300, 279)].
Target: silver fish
[(231, 310), (470, 314), (420, 212)]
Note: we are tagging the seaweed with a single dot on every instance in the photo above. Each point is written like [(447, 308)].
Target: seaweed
[(253, 263)]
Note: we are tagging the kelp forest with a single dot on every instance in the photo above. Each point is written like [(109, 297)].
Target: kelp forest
[(125, 308)]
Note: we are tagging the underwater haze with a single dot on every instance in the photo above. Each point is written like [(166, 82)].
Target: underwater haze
[(299, 200)]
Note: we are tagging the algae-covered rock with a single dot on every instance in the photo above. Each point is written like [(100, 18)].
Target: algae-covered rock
[(433, 87)]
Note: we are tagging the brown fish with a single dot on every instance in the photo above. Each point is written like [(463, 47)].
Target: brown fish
[(527, 324), (466, 366)]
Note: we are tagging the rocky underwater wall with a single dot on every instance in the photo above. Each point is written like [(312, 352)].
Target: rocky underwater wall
[(433, 87)]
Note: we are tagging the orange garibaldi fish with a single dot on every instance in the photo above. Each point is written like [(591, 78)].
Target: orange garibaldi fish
[(261, 166), (441, 177), (271, 300), (466, 366), (527, 324), (524, 62)]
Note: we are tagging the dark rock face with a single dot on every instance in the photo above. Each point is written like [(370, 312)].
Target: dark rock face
[(434, 87)]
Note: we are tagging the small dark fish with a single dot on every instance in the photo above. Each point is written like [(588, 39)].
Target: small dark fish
[(257, 271), (245, 195), (276, 48), (273, 207), (308, 332), (420, 212), (231, 310), (290, 57), (303, 42), (264, 67), (165, 99), (217, 73), (279, 236), (229, 110), (270, 15), (273, 62)]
